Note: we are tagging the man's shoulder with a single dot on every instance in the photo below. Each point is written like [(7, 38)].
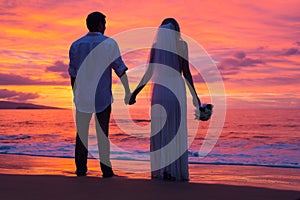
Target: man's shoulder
[(110, 40), (87, 39), (79, 40)]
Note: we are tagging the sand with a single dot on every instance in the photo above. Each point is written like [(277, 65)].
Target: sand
[(31, 177)]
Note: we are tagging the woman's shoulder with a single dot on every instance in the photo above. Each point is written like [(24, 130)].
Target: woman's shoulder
[(182, 43), (182, 47)]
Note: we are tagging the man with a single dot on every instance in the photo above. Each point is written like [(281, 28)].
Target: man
[(92, 58)]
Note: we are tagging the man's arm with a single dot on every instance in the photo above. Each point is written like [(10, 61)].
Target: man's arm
[(72, 82), (73, 62), (124, 80), (120, 69), (72, 68)]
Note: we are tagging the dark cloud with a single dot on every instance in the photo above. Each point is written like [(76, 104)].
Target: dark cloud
[(11, 79), (239, 55), (229, 63), (290, 52), (229, 66), (206, 74), (271, 81), (18, 96), (250, 62), (297, 43), (59, 67)]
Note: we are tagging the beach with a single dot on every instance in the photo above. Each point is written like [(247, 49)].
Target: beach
[(34, 177)]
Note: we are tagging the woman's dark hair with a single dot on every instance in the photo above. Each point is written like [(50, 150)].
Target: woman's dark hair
[(175, 24), (94, 19)]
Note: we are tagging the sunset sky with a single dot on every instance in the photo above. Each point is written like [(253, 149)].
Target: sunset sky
[(256, 45)]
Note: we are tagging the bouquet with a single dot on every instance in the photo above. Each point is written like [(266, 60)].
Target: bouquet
[(204, 112)]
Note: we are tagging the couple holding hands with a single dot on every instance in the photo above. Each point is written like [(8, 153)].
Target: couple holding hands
[(92, 58)]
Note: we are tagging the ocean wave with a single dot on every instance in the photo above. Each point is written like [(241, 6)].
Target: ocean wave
[(293, 165), (267, 125), (291, 126), (262, 137), (4, 148), (15, 137)]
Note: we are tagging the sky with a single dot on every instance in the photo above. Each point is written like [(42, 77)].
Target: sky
[(255, 44)]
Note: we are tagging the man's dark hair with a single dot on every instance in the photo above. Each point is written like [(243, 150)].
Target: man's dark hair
[(93, 20)]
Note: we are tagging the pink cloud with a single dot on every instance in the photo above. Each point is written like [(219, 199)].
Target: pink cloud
[(237, 62), (18, 96), (11, 79), (59, 67), (239, 55), (290, 52)]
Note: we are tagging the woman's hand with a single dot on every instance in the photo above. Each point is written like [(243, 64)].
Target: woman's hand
[(132, 98)]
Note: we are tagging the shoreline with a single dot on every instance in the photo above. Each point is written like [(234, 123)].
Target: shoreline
[(190, 163), (233, 175)]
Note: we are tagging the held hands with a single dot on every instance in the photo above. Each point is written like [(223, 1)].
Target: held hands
[(132, 99)]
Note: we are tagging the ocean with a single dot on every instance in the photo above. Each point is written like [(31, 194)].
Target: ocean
[(248, 137)]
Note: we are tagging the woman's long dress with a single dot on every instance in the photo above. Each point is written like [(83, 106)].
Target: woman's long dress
[(168, 141)]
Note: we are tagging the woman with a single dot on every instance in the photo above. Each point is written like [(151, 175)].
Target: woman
[(168, 142)]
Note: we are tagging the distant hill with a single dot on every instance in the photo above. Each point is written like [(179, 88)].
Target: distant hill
[(15, 105)]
